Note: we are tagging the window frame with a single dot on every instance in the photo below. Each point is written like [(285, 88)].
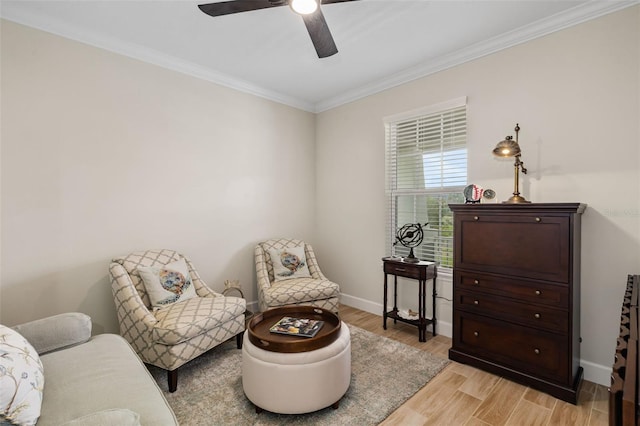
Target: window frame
[(442, 195)]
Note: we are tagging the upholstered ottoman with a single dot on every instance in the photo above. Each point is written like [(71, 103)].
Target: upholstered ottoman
[(295, 383)]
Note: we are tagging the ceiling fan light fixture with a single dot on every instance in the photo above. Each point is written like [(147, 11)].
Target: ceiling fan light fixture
[(303, 7)]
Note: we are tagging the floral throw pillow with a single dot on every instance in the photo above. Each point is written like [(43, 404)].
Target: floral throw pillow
[(288, 263), (167, 284), (21, 379)]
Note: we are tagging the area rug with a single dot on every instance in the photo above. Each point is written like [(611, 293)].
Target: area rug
[(384, 374)]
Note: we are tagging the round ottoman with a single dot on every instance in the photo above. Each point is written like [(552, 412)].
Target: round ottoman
[(295, 383)]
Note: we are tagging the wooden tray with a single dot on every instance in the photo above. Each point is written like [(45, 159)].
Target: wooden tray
[(262, 338)]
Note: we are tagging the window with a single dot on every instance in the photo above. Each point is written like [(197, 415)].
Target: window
[(426, 167)]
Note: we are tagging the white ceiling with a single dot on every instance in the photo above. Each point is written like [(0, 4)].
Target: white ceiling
[(381, 43)]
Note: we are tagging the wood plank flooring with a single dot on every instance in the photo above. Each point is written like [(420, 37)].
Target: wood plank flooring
[(464, 395)]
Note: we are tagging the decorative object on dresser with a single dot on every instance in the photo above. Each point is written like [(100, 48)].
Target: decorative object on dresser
[(474, 194), (510, 148), (420, 271), (623, 393), (516, 291)]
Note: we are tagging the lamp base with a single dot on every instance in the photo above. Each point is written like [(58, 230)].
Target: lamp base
[(516, 199)]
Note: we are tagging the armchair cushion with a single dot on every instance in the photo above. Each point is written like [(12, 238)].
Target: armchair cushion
[(56, 332), (300, 290), (167, 284), (21, 379), (289, 263), (185, 320)]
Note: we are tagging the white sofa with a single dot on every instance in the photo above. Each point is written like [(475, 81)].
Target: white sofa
[(95, 380)]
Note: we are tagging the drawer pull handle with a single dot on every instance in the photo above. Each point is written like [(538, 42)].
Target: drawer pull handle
[(475, 333), (538, 292), (476, 282), (475, 302), (538, 219), (536, 351), (476, 218), (401, 270), (537, 316)]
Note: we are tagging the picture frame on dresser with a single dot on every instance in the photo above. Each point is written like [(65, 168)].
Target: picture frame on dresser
[(516, 291)]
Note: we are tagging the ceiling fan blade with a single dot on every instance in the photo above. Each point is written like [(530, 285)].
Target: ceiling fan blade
[(320, 35), (334, 1), (236, 6)]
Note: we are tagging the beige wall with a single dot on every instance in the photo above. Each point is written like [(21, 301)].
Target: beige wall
[(575, 94), (103, 155)]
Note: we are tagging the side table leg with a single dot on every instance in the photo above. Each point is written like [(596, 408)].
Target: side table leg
[(422, 326), (395, 297), (435, 294), (384, 304)]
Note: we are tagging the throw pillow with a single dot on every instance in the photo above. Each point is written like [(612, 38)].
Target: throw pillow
[(167, 284), (288, 263), (21, 379)]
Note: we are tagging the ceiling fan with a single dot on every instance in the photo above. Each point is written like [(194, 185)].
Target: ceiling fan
[(309, 10)]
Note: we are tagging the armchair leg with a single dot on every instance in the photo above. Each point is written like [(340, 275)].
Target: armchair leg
[(239, 340), (172, 376)]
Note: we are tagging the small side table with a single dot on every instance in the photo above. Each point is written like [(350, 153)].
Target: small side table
[(421, 271)]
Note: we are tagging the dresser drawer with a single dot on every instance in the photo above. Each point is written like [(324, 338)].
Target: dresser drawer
[(525, 245), (518, 347), (538, 316), (517, 288)]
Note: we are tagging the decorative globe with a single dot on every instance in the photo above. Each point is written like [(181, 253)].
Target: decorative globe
[(410, 236)]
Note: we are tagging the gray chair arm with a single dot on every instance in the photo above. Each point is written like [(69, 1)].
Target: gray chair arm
[(56, 332)]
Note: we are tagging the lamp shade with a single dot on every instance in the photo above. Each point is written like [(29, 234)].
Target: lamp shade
[(507, 148)]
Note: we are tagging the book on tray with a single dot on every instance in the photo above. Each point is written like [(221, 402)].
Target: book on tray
[(303, 327)]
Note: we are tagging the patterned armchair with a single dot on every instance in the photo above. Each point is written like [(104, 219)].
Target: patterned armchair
[(173, 335), (316, 290)]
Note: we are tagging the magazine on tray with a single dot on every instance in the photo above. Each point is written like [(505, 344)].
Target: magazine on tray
[(303, 327)]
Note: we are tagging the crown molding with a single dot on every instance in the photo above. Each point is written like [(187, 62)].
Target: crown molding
[(135, 51), (557, 22)]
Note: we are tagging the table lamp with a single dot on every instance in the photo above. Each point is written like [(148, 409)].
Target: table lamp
[(510, 148)]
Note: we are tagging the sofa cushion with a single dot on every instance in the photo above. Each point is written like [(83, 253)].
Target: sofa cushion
[(102, 374), (114, 417), (289, 263), (21, 379), (167, 284), (300, 290), (184, 320)]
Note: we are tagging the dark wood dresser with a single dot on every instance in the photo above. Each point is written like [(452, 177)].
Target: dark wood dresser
[(516, 293)]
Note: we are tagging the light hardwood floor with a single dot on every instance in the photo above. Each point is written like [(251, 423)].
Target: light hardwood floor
[(463, 395)]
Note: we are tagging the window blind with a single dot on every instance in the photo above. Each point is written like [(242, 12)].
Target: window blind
[(426, 169)]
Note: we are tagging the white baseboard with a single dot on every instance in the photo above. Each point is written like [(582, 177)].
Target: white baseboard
[(253, 306), (596, 373), (593, 372), (444, 328)]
